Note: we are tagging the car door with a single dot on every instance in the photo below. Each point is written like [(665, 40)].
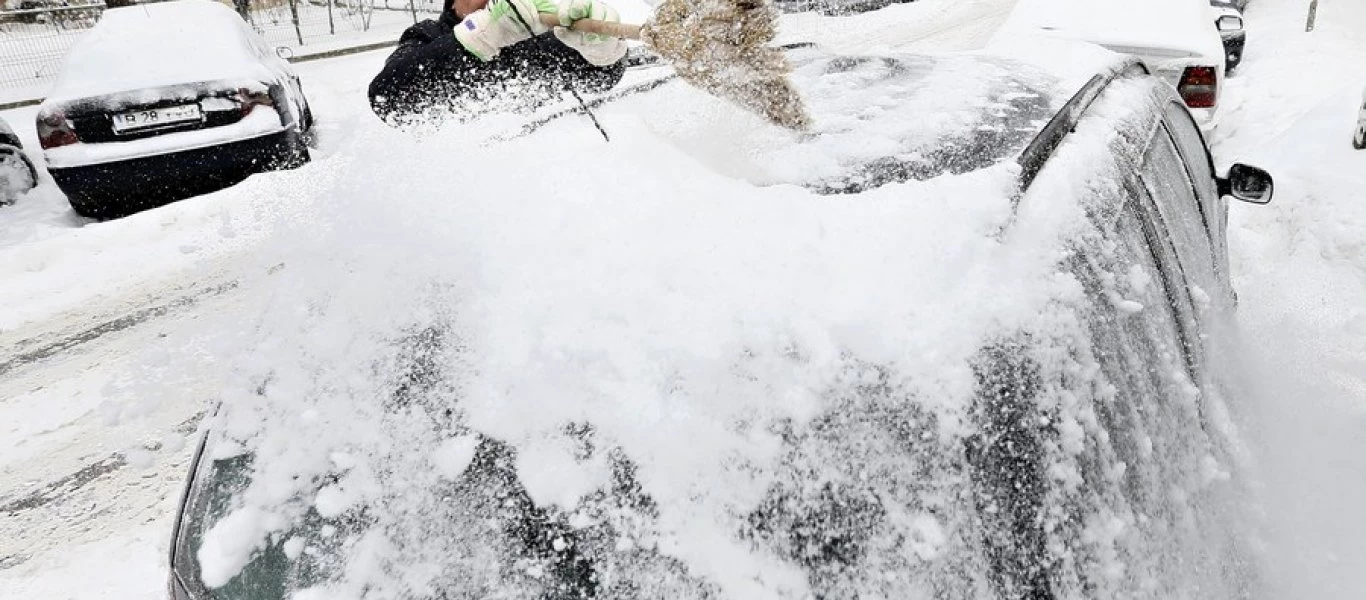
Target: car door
[(1180, 220)]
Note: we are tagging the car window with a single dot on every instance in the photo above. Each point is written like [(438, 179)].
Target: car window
[(1140, 319), (1200, 167), (271, 572), (1169, 186)]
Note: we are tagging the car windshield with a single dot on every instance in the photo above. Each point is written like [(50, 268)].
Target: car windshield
[(886, 119), (288, 563)]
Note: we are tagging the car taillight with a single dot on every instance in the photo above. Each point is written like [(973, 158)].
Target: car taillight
[(1199, 87), (250, 99), (55, 130)]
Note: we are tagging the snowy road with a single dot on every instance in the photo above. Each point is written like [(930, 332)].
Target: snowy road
[(90, 471)]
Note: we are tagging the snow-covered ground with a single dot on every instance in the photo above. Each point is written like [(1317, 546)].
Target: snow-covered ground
[(100, 320), (1300, 267)]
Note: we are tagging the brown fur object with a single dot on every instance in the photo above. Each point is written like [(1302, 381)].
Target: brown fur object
[(721, 46)]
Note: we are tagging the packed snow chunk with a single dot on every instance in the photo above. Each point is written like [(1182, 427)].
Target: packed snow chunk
[(229, 544), (294, 547), (1128, 307), (453, 456), (928, 537), (554, 477)]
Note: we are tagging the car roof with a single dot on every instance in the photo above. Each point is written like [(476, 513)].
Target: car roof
[(1161, 27), (153, 45)]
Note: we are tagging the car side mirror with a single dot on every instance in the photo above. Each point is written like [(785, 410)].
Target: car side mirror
[(1247, 183), (1229, 23), (284, 52)]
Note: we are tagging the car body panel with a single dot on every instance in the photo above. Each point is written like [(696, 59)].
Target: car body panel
[(260, 122)]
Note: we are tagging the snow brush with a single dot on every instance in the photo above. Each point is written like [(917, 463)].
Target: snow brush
[(721, 47)]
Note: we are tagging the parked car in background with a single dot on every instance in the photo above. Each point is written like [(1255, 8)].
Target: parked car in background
[(1173, 37), (17, 174), (1359, 139), (1228, 19), (160, 102), (1095, 405)]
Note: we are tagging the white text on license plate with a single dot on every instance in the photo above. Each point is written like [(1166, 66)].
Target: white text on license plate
[(155, 117)]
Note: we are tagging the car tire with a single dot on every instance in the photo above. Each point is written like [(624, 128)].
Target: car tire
[(14, 160)]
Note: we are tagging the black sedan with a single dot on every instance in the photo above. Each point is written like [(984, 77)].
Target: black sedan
[(160, 102)]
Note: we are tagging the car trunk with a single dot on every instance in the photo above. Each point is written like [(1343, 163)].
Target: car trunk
[(147, 113), (1166, 63)]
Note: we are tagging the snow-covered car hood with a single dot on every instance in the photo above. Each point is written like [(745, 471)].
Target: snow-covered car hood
[(161, 44)]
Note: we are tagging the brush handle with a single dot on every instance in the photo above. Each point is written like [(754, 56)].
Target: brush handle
[(609, 28)]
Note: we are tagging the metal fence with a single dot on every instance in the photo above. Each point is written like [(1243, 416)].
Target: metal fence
[(35, 39)]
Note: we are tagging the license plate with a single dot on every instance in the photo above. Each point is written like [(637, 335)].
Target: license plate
[(149, 118)]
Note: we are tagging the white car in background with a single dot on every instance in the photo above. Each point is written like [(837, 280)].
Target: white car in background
[(160, 102), (1174, 37), (1359, 139)]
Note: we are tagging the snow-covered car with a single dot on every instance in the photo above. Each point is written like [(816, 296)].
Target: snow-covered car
[(163, 101), (1228, 19), (1359, 136), (963, 339), (1173, 37), (17, 174)]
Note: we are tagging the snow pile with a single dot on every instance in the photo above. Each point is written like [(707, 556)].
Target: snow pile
[(152, 45)]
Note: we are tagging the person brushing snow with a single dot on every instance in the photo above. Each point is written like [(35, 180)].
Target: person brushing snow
[(496, 55)]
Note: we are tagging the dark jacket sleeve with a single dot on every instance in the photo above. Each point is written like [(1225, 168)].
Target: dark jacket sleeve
[(428, 67)]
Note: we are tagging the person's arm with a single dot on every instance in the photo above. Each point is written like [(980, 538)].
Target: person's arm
[(423, 66)]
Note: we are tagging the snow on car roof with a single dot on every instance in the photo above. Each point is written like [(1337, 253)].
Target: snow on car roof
[(152, 45), (1177, 25)]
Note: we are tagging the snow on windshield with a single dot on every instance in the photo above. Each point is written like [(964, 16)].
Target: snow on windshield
[(878, 119), (151, 45)]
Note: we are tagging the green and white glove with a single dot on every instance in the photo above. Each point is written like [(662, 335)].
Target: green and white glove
[(500, 24), (600, 50)]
